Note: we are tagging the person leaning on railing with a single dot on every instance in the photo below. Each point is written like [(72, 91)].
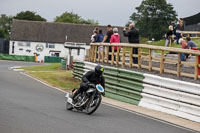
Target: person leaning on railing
[(107, 38), (169, 36), (183, 46), (115, 38), (133, 37)]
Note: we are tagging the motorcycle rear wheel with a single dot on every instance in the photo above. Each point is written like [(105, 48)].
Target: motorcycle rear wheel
[(88, 111)]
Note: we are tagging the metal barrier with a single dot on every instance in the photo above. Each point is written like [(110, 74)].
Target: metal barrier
[(162, 94)]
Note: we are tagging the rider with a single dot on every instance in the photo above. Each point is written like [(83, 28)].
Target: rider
[(92, 77)]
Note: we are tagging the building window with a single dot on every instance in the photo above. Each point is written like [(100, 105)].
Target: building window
[(21, 44), (47, 45), (51, 45), (28, 44)]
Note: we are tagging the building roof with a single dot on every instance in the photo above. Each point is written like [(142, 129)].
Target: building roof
[(194, 19), (37, 31)]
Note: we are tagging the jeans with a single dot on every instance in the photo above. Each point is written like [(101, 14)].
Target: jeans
[(110, 56), (135, 59), (178, 35), (183, 57)]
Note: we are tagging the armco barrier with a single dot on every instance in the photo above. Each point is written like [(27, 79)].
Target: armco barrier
[(78, 70), (162, 94), (17, 57)]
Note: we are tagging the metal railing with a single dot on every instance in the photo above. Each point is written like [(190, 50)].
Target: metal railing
[(145, 58)]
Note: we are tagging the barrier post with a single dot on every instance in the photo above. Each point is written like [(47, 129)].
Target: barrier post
[(139, 58), (103, 54), (113, 52), (196, 67), (131, 57), (117, 57), (162, 62), (150, 60), (107, 54), (179, 65), (95, 54), (123, 57)]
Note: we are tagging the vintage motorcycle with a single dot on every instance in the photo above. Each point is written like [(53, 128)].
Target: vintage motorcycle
[(88, 101)]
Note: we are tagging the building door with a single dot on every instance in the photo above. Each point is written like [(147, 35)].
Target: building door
[(57, 54)]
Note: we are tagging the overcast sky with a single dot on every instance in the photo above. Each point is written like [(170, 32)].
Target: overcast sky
[(115, 12)]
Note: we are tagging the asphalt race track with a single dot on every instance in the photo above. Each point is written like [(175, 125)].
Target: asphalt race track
[(27, 106)]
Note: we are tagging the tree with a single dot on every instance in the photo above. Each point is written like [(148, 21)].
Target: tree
[(5, 24), (74, 18), (29, 15), (153, 18)]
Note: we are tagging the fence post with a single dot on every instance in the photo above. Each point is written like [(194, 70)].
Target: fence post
[(107, 53), (117, 57), (131, 57), (150, 60), (179, 65), (99, 53), (170, 41), (196, 68), (162, 62), (113, 52), (139, 58), (103, 54), (123, 57), (95, 54)]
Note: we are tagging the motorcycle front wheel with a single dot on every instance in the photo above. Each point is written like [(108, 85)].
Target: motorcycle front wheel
[(93, 105), (69, 106)]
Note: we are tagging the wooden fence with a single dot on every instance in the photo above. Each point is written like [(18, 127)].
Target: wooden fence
[(193, 34), (144, 55)]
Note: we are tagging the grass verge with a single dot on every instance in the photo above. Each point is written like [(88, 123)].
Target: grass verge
[(58, 78)]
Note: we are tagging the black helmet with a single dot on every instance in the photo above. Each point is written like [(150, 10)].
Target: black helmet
[(99, 70)]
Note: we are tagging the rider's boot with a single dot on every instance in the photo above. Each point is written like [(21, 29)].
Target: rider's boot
[(75, 94)]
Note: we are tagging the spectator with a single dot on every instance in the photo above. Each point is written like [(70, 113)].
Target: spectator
[(190, 44), (100, 36), (133, 37), (183, 46), (180, 27), (107, 38), (94, 36), (115, 38), (169, 35), (174, 27)]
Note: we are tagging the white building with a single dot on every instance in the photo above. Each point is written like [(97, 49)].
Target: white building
[(49, 39)]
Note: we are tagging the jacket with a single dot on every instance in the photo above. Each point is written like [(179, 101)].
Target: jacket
[(115, 38), (133, 35), (92, 78)]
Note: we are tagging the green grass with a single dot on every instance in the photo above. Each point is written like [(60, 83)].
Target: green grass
[(162, 43), (49, 67), (58, 78)]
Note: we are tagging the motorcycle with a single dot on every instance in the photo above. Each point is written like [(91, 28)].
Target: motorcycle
[(88, 101)]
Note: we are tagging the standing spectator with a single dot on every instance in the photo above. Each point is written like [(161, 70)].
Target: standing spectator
[(174, 27), (133, 37), (180, 27), (100, 36), (190, 44), (94, 36), (169, 35), (107, 38), (115, 38)]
